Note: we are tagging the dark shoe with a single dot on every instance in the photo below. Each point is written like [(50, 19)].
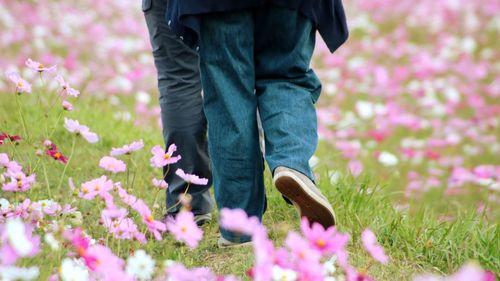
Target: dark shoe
[(305, 196)]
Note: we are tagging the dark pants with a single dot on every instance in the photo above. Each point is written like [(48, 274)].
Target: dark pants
[(181, 105), (257, 60)]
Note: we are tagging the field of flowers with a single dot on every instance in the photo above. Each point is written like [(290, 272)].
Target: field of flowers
[(409, 120)]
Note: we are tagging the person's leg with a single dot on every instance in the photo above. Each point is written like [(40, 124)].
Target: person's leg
[(287, 89), (181, 105), (227, 70), (286, 86)]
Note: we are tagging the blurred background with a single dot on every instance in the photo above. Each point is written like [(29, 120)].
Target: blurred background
[(412, 100)]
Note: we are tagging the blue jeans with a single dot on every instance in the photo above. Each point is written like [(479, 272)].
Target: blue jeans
[(184, 122), (257, 60)]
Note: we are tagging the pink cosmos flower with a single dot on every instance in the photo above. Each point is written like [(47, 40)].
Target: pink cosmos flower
[(66, 88), (185, 229), (161, 158), (67, 105), (327, 241), (19, 182), (4, 160), (161, 184), (21, 85), (194, 179), (74, 126), (39, 67), (17, 241), (99, 186), (112, 164), (370, 243), (238, 221), (127, 149)]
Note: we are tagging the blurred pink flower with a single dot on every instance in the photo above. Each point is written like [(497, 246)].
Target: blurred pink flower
[(356, 167), (185, 229), (370, 243), (67, 90), (192, 179), (160, 183), (19, 182), (39, 67), (113, 165), (327, 241), (74, 126), (237, 220), (21, 85), (67, 105), (127, 149), (161, 158)]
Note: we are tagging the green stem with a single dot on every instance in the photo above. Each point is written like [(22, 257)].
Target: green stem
[(46, 180), (179, 202), (67, 164), (23, 122)]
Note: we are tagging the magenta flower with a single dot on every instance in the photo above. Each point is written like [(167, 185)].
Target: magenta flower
[(161, 184), (185, 229), (327, 241), (189, 178), (238, 221), (74, 126), (161, 158), (127, 149), (99, 186), (370, 243), (113, 165), (66, 88), (39, 67), (21, 85)]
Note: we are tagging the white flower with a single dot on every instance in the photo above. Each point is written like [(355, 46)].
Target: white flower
[(17, 237), (387, 159), (51, 241), (281, 274), (313, 161), (365, 109), (329, 266), (4, 204), (8, 273), (73, 270), (140, 265)]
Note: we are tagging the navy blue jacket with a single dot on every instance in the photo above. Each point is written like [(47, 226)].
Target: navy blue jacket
[(327, 15)]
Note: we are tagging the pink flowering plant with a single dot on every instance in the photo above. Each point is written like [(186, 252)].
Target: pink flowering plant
[(408, 122)]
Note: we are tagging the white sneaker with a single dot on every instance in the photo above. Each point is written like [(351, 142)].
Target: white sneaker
[(224, 243), (305, 196)]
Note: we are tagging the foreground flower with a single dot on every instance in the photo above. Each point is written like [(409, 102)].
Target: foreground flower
[(281, 274), (21, 85), (17, 241), (327, 241), (161, 158), (190, 178), (112, 164), (140, 265), (39, 67), (468, 272), (370, 243), (18, 273), (73, 270), (237, 220), (66, 88), (185, 229), (74, 126)]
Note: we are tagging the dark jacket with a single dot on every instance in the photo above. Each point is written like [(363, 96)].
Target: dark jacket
[(183, 16)]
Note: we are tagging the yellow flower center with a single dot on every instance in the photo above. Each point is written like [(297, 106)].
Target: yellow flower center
[(321, 243), (41, 66), (85, 190), (166, 156), (96, 188), (57, 155), (183, 229), (20, 84), (19, 183), (150, 218)]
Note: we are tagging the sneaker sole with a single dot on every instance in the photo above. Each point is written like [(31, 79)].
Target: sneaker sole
[(309, 204)]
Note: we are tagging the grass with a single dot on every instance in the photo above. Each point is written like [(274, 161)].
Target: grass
[(416, 238)]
